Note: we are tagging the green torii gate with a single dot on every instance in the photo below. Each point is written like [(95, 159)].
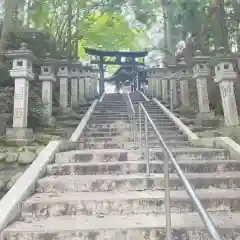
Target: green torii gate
[(101, 61)]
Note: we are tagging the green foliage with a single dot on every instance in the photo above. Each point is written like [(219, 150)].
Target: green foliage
[(208, 28), (99, 24), (219, 109), (107, 31)]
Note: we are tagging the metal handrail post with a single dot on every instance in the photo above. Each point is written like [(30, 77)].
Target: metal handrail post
[(146, 146), (140, 127), (134, 130), (167, 198), (171, 100)]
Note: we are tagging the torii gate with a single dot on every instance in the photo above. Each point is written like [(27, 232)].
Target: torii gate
[(101, 61)]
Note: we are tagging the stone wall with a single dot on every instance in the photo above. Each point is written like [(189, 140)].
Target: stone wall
[(2, 126)]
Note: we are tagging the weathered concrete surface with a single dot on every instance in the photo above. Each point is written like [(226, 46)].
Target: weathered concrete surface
[(95, 194), (135, 182), (135, 226)]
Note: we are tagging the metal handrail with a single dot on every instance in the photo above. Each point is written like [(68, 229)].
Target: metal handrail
[(131, 105), (169, 156), (132, 116)]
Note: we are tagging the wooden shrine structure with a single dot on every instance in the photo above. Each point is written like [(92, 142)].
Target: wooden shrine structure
[(127, 61)]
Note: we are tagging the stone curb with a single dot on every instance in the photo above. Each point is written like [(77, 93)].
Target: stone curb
[(179, 124), (220, 142), (10, 205), (77, 133), (144, 96)]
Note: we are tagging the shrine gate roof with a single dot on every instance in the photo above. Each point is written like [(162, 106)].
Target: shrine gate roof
[(102, 53)]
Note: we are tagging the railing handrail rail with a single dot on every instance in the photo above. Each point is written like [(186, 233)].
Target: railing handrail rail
[(203, 214), (131, 104), (102, 97)]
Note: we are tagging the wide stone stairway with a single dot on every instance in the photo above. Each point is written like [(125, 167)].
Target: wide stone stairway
[(100, 190)]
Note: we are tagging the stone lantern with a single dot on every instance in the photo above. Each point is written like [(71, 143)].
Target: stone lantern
[(200, 73), (81, 85), (92, 83), (63, 74), (74, 76), (48, 78), (87, 82), (149, 89), (165, 86), (22, 73), (184, 77), (152, 76), (151, 83), (225, 77), (173, 84), (159, 82), (95, 81)]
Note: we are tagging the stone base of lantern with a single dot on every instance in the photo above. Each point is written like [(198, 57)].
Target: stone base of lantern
[(232, 132), (47, 120), (65, 111), (207, 119), (186, 110), (19, 135)]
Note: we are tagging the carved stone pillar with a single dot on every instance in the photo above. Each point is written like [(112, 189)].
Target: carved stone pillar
[(63, 74), (225, 77), (200, 73), (21, 73), (74, 76), (47, 77), (165, 89), (81, 86), (184, 77)]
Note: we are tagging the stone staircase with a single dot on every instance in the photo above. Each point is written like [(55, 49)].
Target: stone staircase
[(100, 190)]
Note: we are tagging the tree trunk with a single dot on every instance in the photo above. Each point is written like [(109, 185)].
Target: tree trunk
[(77, 34), (69, 38), (9, 7), (223, 31)]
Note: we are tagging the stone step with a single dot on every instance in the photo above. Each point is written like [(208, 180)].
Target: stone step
[(136, 182), (44, 205), (99, 125), (111, 110), (109, 118), (118, 227), (129, 145), (96, 134), (69, 117), (118, 105), (163, 132), (109, 139), (168, 137), (109, 113), (70, 123), (128, 137), (158, 116), (113, 101), (194, 128), (105, 145), (171, 143), (132, 155), (105, 130), (140, 166), (160, 127)]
